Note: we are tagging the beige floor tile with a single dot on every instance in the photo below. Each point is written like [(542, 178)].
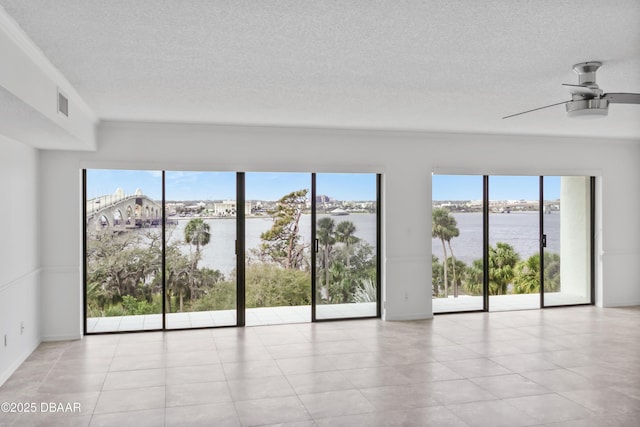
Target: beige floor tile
[(603, 401), (457, 391), (194, 374), (317, 382), (197, 393), (271, 411), (391, 398), (134, 379), (146, 418), (336, 403), (473, 368), (217, 414), (511, 385), (136, 399), (433, 416), (260, 388), (548, 408), (566, 367), (496, 413)]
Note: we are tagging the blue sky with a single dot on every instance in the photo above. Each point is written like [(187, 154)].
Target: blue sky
[(221, 185), (272, 186), (469, 187)]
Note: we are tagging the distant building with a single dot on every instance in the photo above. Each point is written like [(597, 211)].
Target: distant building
[(229, 207), (323, 199)]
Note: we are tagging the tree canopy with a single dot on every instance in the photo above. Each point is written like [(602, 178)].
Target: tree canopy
[(281, 244)]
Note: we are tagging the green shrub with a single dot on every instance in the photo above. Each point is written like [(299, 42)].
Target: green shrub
[(268, 285), (221, 296)]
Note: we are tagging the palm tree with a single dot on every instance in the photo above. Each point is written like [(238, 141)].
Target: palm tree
[(196, 233), (502, 261), (455, 265), (475, 277), (444, 227), (436, 276), (551, 272), (326, 238), (345, 231), (527, 278), (453, 232), (177, 273)]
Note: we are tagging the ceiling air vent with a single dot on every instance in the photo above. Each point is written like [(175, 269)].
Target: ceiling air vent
[(63, 104)]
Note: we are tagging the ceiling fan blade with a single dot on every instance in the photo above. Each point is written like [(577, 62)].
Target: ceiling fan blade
[(535, 109), (581, 90), (622, 98)]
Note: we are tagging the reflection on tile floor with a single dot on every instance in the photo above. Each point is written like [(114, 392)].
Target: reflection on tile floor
[(575, 366)]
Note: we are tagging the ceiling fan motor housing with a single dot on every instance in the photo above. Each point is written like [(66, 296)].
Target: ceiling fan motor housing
[(587, 72)]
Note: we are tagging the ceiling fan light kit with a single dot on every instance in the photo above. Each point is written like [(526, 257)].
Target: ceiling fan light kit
[(587, 99), (588, 108)]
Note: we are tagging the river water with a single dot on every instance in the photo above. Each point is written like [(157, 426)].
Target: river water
[(519, 229), (220, 252)]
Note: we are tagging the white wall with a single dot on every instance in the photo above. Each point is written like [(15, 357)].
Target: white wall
[(406, 161), (19, 249), (34, 82), (575, 231)]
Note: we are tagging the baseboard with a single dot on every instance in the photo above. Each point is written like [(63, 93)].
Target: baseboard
[(406, 317), (52, 338), (4, 376), (625, 303)]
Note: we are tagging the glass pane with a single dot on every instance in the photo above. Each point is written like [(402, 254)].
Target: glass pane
[(346, 233), (278, 243), (456, 227), (567, 226), (200, 252), (123, 225), (514, 239)]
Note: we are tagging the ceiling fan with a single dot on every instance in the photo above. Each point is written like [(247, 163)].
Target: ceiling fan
[(587, 99)]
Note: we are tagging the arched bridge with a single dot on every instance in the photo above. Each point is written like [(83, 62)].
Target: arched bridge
[(119, 211)]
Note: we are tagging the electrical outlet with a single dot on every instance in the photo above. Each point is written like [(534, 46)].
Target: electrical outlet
[(21, 328)]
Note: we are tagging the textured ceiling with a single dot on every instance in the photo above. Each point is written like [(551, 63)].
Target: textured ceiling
[(375, 64)]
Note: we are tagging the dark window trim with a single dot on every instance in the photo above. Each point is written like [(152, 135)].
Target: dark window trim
[(313, 250), (240, 257), (485, 249), (84, 251), (240, 250)]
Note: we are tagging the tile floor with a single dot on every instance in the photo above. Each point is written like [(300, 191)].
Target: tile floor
[(576, 366)]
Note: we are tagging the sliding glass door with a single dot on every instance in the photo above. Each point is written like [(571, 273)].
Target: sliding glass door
[(514, 242), (123, 250), (346, 246), (200, 241), (531, 236), (457, 241), (567, 233), (183, 249), (278, 245)]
